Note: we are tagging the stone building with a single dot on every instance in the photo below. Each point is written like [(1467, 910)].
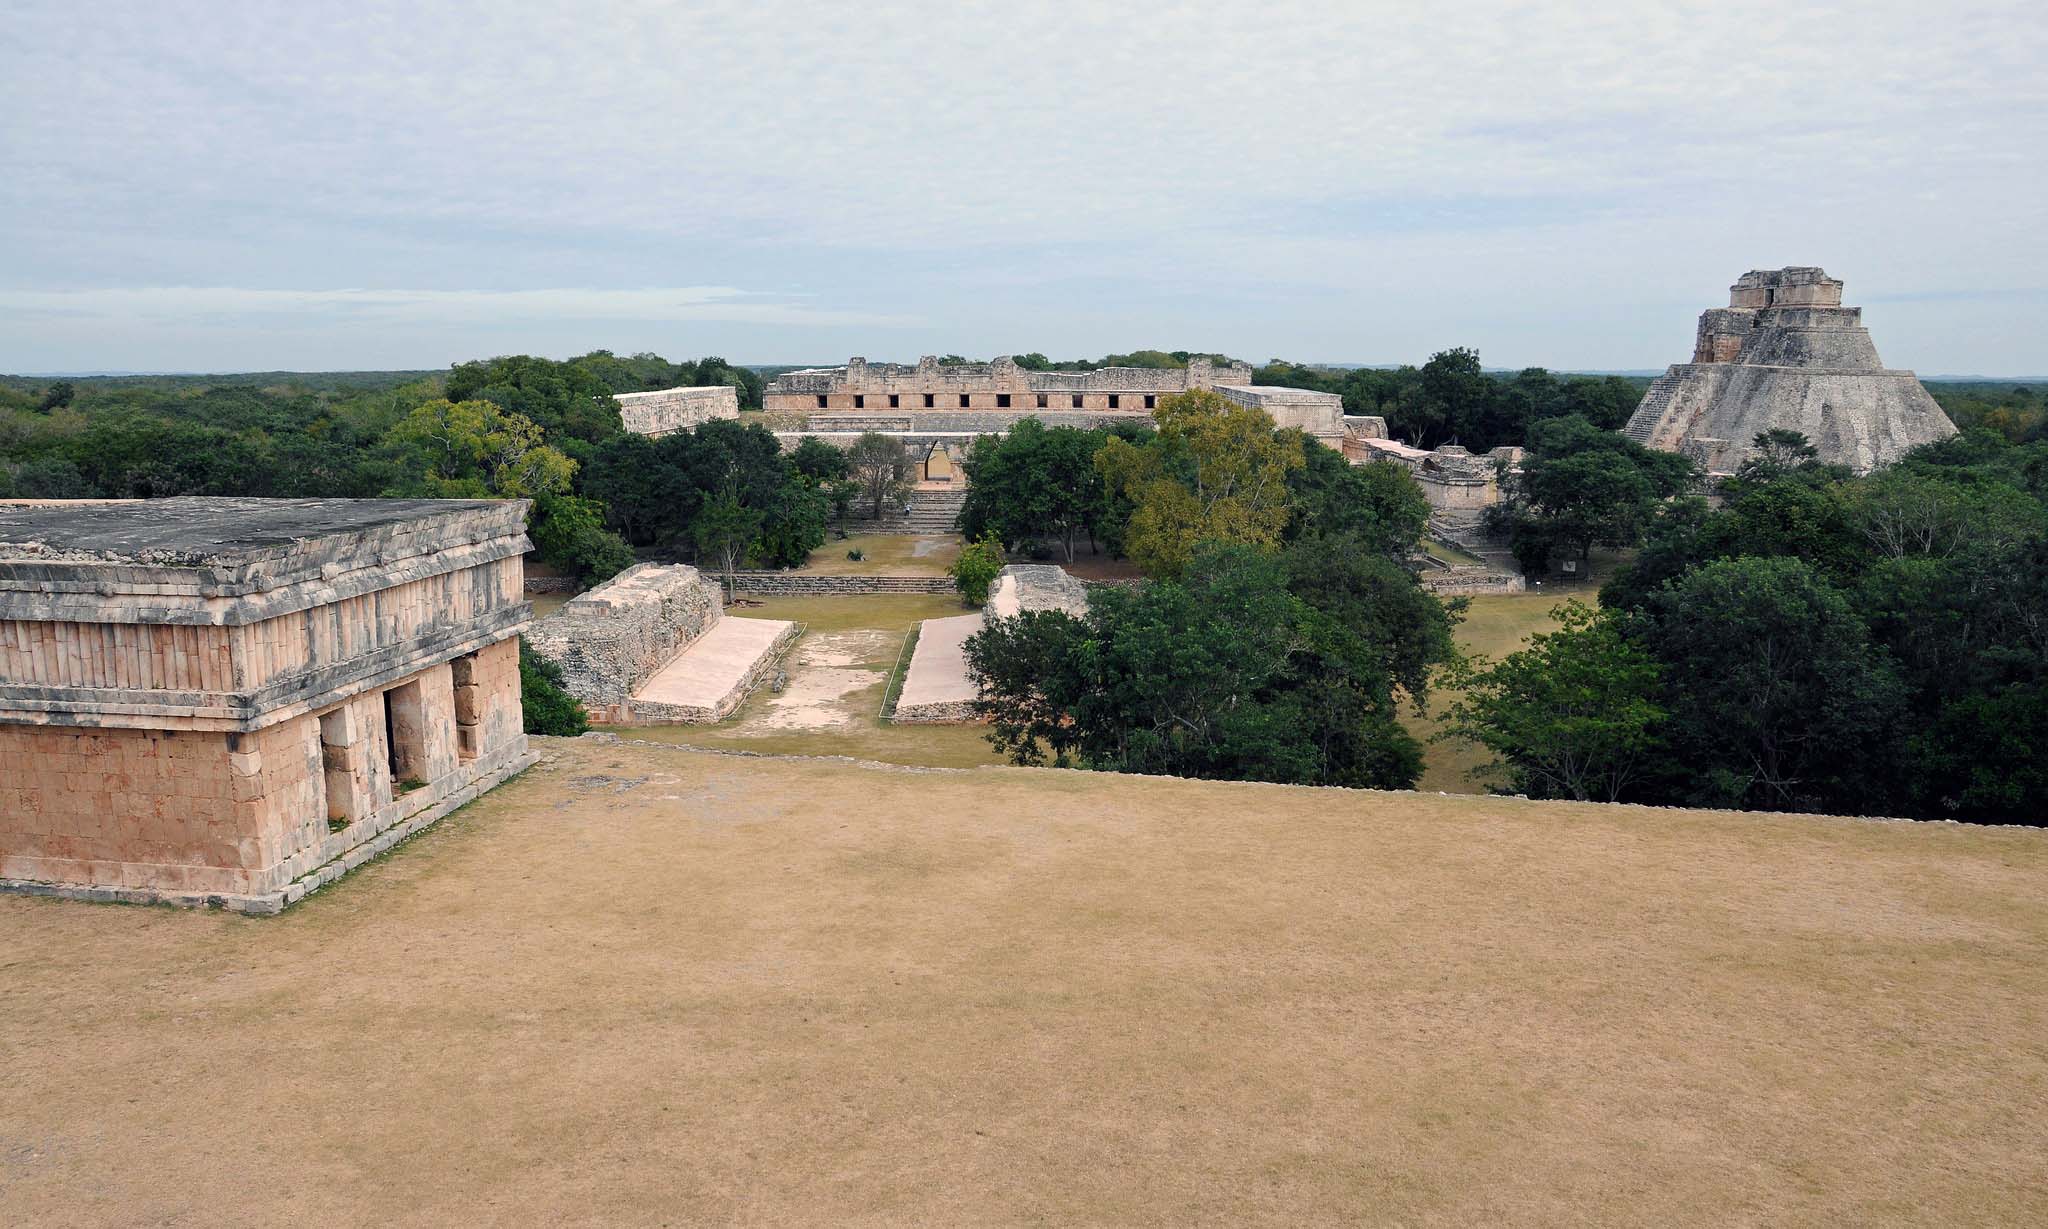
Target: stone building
[(1786, 354), (875, 388), (933, 406), (1458, 484), (234, 701), (652, 646), (1320, 416), (668, 410)]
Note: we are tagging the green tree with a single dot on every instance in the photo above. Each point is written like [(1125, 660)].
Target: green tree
[(882, 466), (1379, 503), (546, 704), (1033, 483), (1224, 671), (569, 532), (819, 461), (562, 399), (476, 449), (1215, 472), (1777, 696), (724, 531), (57, 396), (979, 564), (1574, 715), (1579, 487)]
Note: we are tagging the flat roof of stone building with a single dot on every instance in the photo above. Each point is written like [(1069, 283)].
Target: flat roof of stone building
[(199, 531)]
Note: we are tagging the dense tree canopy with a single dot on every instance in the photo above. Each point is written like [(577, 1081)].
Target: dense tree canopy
[(1872, 644), (515, 426), (1451, 399), (1248, 665), (1037, 482), (1574, 715), (1580, 486), (1215, 472)]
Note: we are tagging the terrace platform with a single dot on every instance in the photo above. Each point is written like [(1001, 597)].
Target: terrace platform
[(710, 679), (936, 687)]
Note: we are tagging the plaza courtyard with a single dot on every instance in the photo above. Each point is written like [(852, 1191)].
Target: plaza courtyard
[(655, 985)]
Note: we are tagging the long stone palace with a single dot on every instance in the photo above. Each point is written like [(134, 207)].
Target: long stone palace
[(945, 405), (1786, 354), (232, 702)]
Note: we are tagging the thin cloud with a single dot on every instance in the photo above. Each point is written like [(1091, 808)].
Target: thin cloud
[(393, 307)]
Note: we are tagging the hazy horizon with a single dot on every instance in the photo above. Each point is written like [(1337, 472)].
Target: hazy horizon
[(381, 186)]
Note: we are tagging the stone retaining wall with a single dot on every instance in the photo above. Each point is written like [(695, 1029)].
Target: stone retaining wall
[(798, 584), (653, 712), (615, 637), (958, 712), (1471, 580), (666, 411)]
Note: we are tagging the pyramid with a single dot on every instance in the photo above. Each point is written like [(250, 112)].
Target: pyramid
[(1786, 353)]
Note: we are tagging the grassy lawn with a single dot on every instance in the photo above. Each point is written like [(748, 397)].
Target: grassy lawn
[(642, 986), (837, 675), (892, 554), (1444, 552), (851, 644), (1495, 626)]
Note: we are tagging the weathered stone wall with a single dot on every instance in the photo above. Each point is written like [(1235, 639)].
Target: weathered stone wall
[(243, 819), (191, 690), (1786, 355), (615, 637), (1035, 586), (798, 584), (950, 712), (1471, 580), (668, 410), (1319, 415), (861, 385), (647, 711), (151, 615)]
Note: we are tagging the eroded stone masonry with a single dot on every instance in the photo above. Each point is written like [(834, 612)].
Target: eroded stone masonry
[(669, 410), (1786, 354), (652, 645), (932, 404), (234, 701)]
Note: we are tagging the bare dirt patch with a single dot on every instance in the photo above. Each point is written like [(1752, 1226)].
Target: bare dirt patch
[(824, 670), (644, 985)]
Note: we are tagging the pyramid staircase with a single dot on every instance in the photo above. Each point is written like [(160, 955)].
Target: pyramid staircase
[(1642, 425)]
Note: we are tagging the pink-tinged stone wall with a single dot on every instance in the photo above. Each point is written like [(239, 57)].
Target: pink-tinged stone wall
[(184, 815)]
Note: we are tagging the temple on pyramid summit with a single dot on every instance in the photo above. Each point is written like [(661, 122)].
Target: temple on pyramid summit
[(1786, 354)]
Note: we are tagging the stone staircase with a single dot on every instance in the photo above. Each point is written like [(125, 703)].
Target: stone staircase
[(1643, 423), (926, 511)]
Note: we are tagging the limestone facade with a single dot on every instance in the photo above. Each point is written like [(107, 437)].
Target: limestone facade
[(1319, 416), (1453, 479), (1786, 354), (666, 411), (999, 385), (611, 640), (233, 701)]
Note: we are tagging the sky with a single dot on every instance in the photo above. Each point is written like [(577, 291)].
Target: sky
[(227, 186)]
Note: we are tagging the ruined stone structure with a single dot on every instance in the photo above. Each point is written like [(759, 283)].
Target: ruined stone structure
[(1000, 385), (944, 408), (234, 701), (669, 410), (936, 687), (1459, 487), (1786, 354), (1035, 586), (1320, 416), (652, 646)]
